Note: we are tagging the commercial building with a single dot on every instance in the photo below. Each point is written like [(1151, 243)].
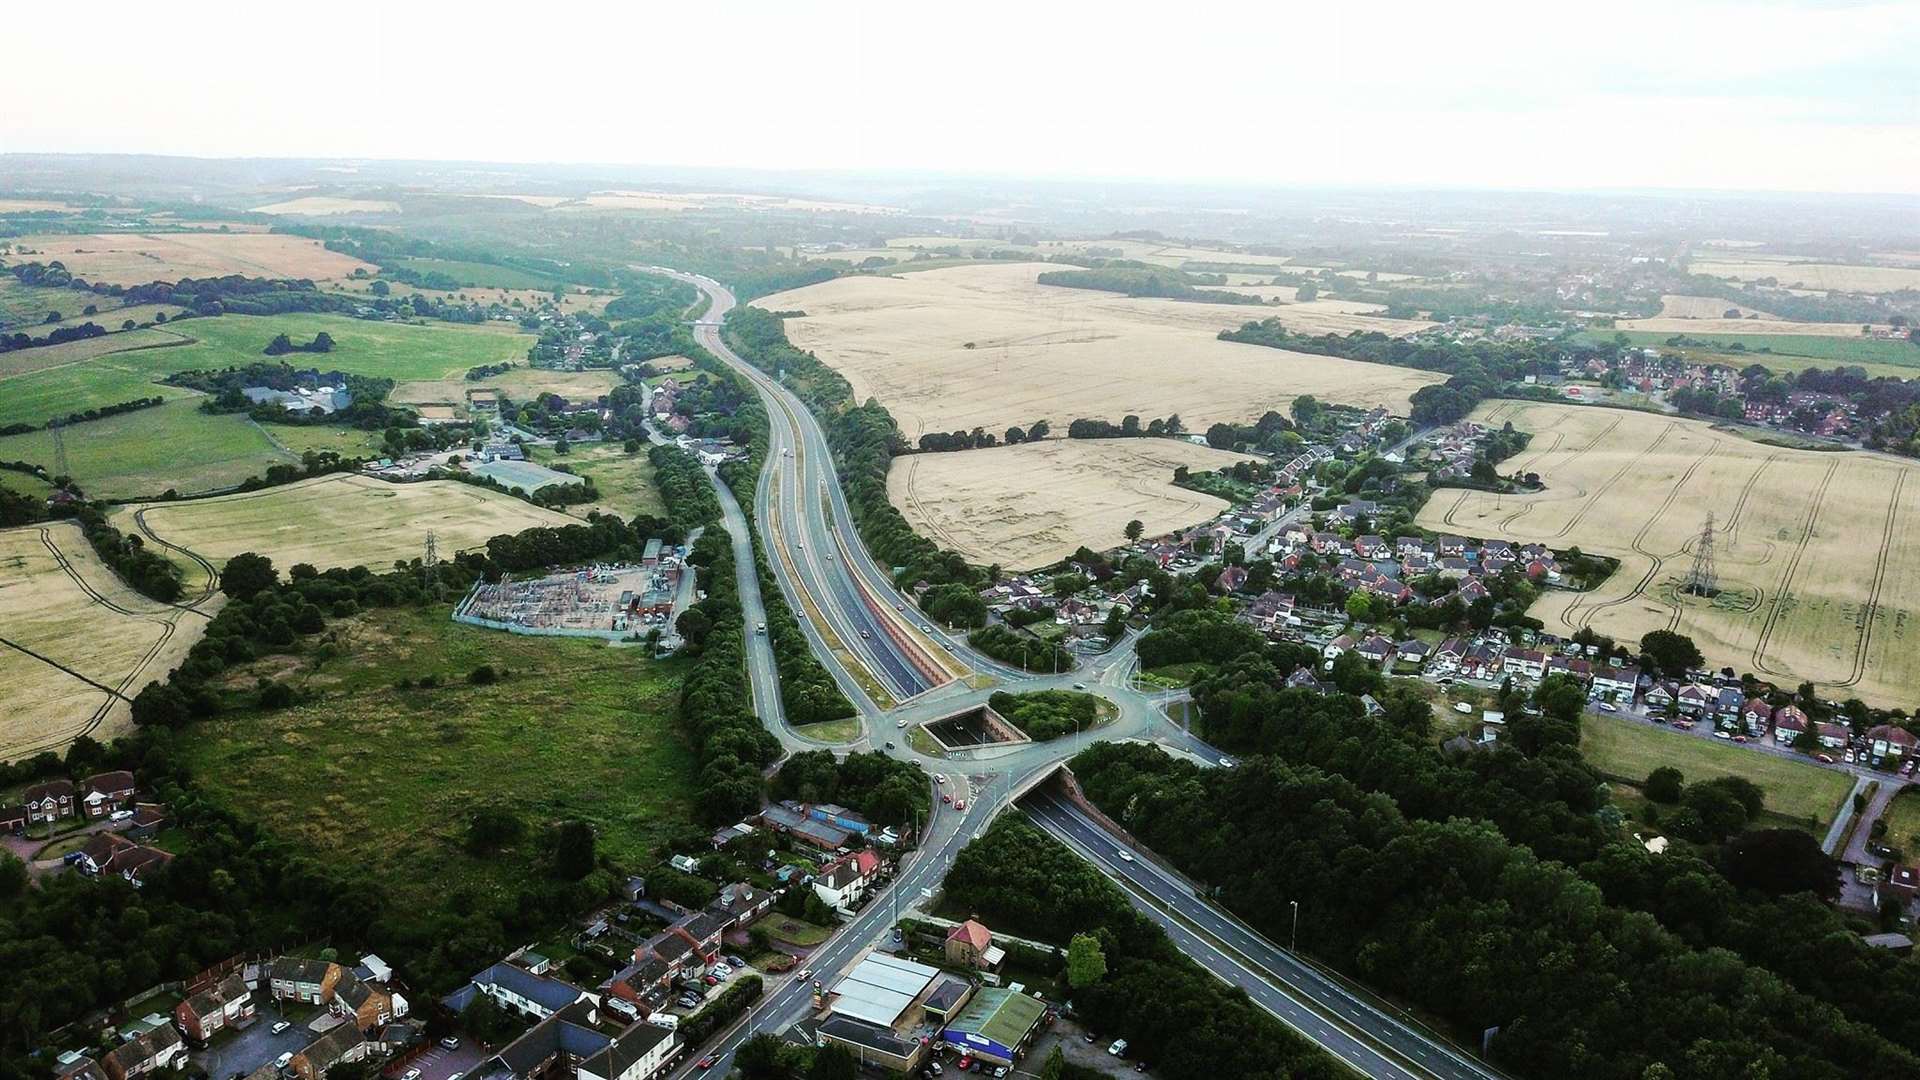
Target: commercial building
[(996, 1025)]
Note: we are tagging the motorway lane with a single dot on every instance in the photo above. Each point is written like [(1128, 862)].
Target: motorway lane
[(1292, 989), (800, 477)]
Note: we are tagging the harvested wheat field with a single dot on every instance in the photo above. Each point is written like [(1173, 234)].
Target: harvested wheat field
[(1667, 325), (1032, 504), (325, 205), (76, 643), (1823, 277), (1816, 580), (139, 259), (1704, 307), (988, 345), (342, 520)]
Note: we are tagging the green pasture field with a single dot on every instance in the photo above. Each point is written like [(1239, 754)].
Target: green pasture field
[(345, 441), (1799, 794), (144, 453), (370, 777), (1764, 348), (399, 351), (24, 483), (1903, 821), (625, 480), (482, 275)]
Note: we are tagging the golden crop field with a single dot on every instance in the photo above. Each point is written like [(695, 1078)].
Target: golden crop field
[(324, 205), (1032, 504), (1674, 306), (574, 301), (1817, 582), (72, 633), (340, 520), (988, 345), (138, 259), (1823, 277)]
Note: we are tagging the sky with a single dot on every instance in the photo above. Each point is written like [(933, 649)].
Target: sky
[(1633, 94)]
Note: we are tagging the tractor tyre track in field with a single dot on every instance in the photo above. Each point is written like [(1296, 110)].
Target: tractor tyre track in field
[(1655, 562), (1601, 491), (213, 576), (1785, 589), (1872, 606)]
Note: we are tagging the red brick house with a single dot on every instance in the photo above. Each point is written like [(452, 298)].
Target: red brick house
[(51, 801), (104, 793), (227, 1003)]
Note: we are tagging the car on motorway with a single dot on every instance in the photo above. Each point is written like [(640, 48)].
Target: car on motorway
[(1227, 762), (926, 628), (1125, 855), (899, 607), (866, 635)]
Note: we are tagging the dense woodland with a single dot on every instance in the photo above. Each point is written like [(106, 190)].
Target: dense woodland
[(884, 789), (1139, 280)]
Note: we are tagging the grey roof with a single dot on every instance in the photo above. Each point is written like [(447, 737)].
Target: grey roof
[(566, 1030), (143, 1048), (631, 1045), (551, 993), (864, 1034), (333, 1046), (298, 969)]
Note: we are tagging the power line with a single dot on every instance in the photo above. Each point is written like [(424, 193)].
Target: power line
[(1701, 579)]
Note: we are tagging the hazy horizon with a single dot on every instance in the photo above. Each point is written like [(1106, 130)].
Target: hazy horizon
[(1770, 98)]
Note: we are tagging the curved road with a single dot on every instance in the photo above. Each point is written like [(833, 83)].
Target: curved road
[(900, 672)]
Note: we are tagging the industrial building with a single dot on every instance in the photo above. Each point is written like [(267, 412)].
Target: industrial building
[(886, 1010), (997, 1024)]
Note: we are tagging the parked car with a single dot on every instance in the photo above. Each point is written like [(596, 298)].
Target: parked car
[(900, 724), (412, 1074), (965, 1062), (1463, 708), (282, 1026), (451, 1042), (283, 1060), (939, 779), (120, 815), (959, 804), (1725, 735), (1608, 706), (889, 744), (1119, 1048), (1828, 758), (706, 1062), (736, 963)]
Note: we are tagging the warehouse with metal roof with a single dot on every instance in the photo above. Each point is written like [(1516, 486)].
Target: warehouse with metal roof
[(880, 988), (996, 1024)]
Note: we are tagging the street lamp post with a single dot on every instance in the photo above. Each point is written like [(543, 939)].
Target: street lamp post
[(1294, 945)]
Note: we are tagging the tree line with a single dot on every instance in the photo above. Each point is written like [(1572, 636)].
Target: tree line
[(1144, 281), (1128, 428)]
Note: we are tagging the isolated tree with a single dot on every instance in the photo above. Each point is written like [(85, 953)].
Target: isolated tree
[(1039, 430), (1671, 653), (492, 828), (279, 346), (322, 342), (1134, 529), (246, 575), (572, 850), (1664, 784), (1086, 963), (380, 288)]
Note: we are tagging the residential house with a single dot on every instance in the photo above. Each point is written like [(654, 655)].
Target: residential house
[(705, 929), (1303, 679), (741, 903), (74, 1065), (1756, 716), (790, 818), (104, 793), (1616, 684), (1412, 651), (1789, 723), (13, 818), (1230, 579), (1375, 649), (311, 982), (1526, 663), (1889, 741), (1446, 658), (1695, 700), (644, 981), (1728, 703), (519, 989), (1371, 547), (642, 1051), (98, 853), (49, 801), (1576, 669), (1471, 591), (1333, 649), (156, 1051), (148, 819), (136, 864), (1662, 696), (572, 1045), (841, 883), (343, 1044), (226, 1004), (971, 944), (367, 1005), (1832, 736)]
